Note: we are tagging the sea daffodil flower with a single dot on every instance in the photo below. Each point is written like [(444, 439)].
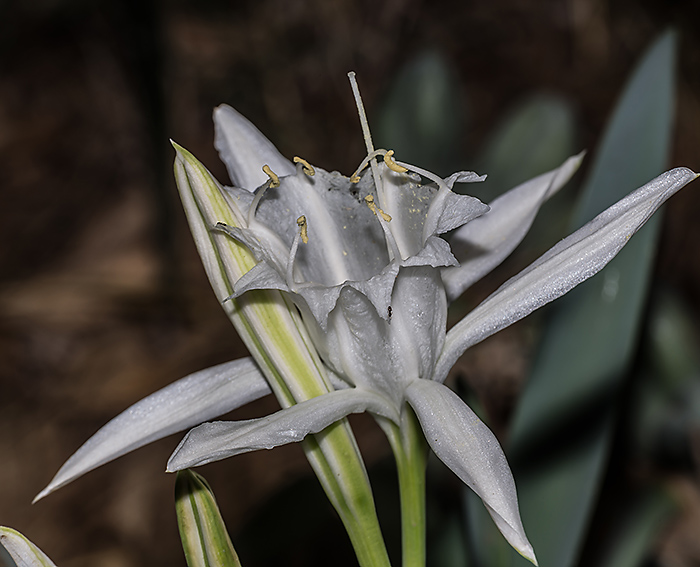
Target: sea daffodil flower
[(363, 260)]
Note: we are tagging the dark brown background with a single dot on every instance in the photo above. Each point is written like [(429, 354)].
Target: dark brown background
[(102, 298)]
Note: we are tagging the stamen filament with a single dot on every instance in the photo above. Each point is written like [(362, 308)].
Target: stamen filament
[(302, 236), (273, 182), (425, 173), (290, 261), (384, 219), (355, 177)]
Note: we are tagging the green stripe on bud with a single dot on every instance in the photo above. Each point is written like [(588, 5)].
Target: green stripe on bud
[(22, 552), (205, 541), (276, 337)]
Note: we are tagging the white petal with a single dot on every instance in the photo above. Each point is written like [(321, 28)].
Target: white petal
[(420, 211), (462, 441), (485, 242), (265, 245), (319, 300), (418, 323), (345, 241), (356, 343), (459, 210), (573, 260), (215, 441), (190, 401), (262, 276), (22, 551), (436, 253), (464, 177), (449, 211), (384, 351), (244, 150), (407, 202)]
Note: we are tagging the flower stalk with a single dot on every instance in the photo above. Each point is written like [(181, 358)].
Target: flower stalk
[(410, 453)]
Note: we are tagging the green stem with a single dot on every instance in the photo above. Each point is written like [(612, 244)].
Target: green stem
[(410, 452), (350, 493)]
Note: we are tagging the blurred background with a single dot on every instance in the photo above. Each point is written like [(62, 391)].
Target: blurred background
[(103, 299)]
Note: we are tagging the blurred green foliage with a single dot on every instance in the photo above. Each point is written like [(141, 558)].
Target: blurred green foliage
[(562, 431), (423, 114)]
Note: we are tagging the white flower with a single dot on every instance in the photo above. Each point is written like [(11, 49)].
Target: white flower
[(363, 260), (364, 263)]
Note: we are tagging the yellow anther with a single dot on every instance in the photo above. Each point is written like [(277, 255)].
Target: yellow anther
[(369, 199), (274, 180), (301, 223), (355, 178), (391, 164), (308, 169)]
